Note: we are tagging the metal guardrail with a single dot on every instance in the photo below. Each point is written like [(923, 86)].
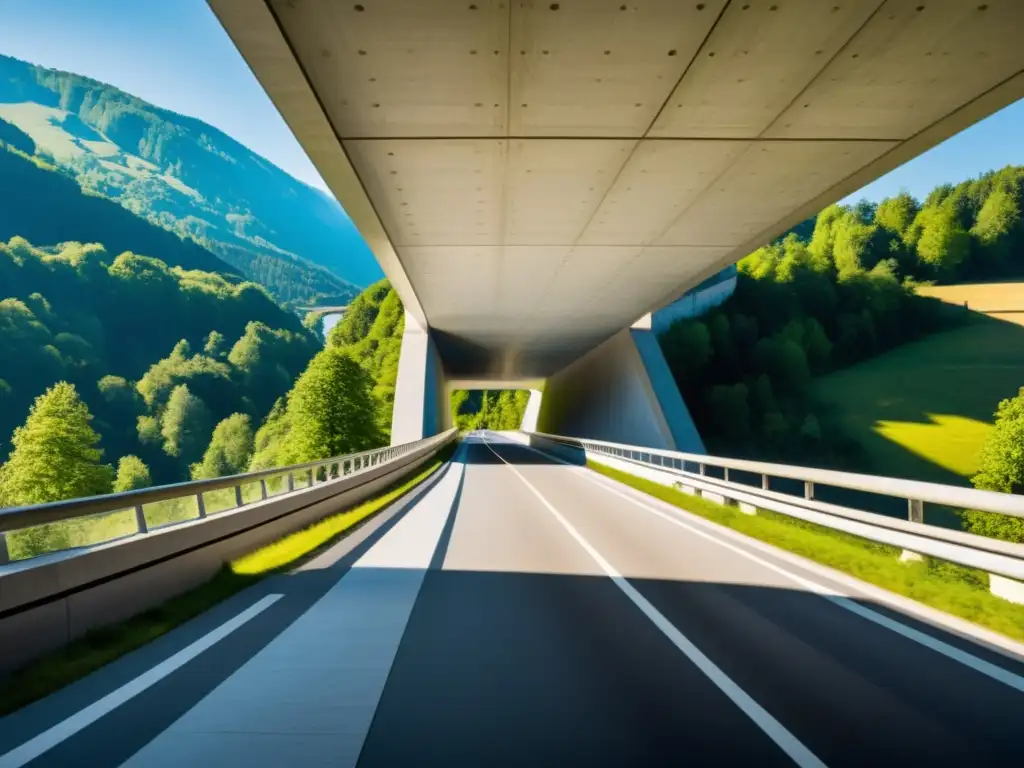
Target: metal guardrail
[(916, 492), (997, 557), (314, 473)]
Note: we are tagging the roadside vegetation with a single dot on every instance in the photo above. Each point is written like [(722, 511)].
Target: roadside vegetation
[(959, 591), (846, 343), (103, 646)]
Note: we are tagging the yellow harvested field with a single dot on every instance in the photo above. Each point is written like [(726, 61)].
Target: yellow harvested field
[(1003, 301)]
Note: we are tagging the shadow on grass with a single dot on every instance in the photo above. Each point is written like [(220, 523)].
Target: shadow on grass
[(932, 397)]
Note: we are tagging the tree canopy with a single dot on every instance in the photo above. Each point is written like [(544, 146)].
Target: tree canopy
[(230, 449), (128, 330), (55, 455)]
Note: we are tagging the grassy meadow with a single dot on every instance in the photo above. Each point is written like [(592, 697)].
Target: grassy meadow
[(923, 410)]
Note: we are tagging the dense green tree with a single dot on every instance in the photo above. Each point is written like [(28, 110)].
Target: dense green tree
[(330, 410), (730, 411), (943, 245), (896, 214), (998, 228), (132, 474), (270, 437), (371, 332), (214, 346), (1001, 469), (185, 425), (55, 455), (230, 449)]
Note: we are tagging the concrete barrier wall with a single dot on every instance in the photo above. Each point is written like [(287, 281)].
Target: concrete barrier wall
[(50, 600), (622, 392)]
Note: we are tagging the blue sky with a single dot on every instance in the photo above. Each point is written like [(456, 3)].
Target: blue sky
[(175, 54)]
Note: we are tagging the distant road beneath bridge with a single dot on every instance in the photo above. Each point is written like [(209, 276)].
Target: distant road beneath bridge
[(516, 611)]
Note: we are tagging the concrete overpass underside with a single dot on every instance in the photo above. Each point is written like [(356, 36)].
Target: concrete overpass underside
[(535, 176)]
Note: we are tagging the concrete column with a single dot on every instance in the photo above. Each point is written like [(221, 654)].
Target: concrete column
[(622, 392), (532, 412), (421, 408)]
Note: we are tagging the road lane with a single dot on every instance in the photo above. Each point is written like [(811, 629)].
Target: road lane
[(851, 690), (516, 648), (521, 651)]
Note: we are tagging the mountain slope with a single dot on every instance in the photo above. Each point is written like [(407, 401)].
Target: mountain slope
[(47, 206), (191, 179)]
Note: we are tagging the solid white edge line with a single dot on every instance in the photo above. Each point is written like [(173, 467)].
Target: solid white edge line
[(63, 730), (772, 728), (993, 671)]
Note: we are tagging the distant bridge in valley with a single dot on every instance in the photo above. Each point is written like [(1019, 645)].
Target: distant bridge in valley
[(325, 310)]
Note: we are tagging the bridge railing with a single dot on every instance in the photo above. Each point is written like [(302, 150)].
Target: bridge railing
[(691, 473), (167, 505)]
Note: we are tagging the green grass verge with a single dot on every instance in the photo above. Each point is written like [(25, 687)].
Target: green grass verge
[(102, 646), (951, 588), (924, 409)]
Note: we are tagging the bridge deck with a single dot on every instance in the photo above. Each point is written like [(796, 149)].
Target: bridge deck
[(483, 622)]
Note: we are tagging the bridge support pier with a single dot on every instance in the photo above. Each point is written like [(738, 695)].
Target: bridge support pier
[(622, 392), (421, 404)]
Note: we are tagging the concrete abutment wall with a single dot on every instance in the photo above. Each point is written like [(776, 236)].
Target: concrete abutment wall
[(622, 391)]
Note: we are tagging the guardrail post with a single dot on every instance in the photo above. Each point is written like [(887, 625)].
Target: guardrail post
[(726, 470), (915, 510), (263, 487), (702, 469), (765, 483), (201, 504), (140, 519), (291, 482), (238, 495), (309, 475), (5, 555), (808, 489)]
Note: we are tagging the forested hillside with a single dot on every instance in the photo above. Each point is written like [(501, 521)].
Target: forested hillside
[(343, 401), (44, 205), (824, 299), (159, 355), (188, 178)]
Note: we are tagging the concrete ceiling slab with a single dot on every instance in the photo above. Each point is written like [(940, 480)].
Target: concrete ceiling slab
[(759, 57), (535, 176), (660, 181), (435, 192), (405, 68), (767, 180), (599, 67), (555, 185), (913, 63)]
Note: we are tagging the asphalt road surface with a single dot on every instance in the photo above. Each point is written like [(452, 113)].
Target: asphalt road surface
[(517, 611)]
